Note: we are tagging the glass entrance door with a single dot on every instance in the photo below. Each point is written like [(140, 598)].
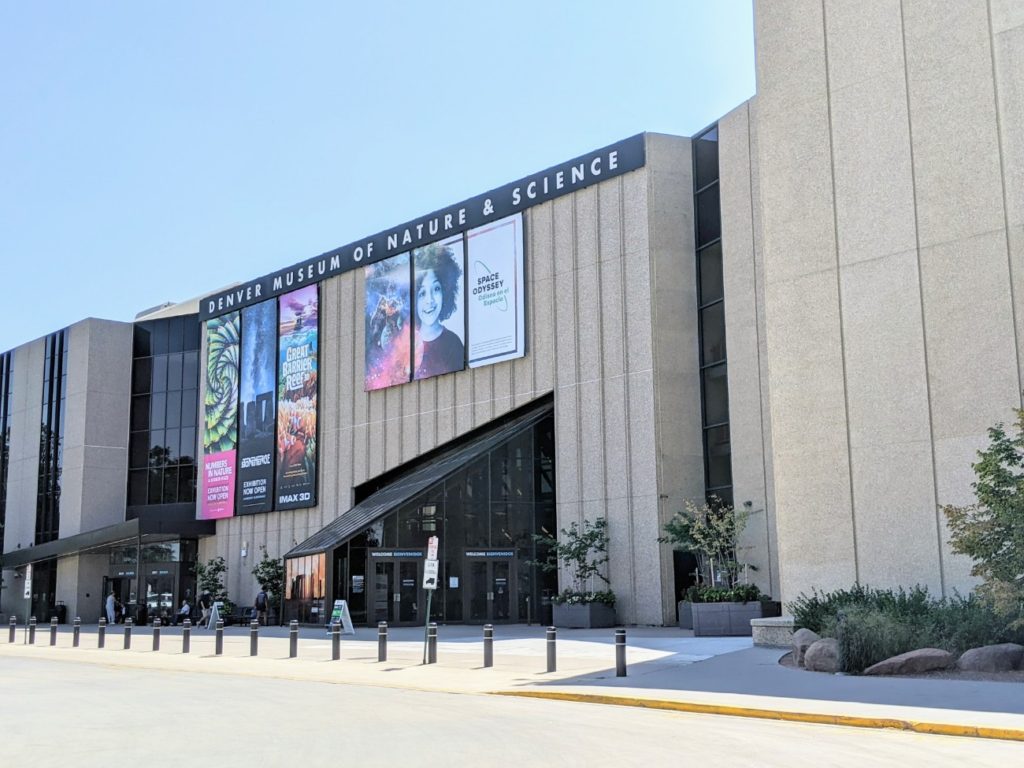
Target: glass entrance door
[(397, 594), (489, 594)]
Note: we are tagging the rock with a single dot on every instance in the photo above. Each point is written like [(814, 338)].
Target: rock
[(992, 658), (802, 640), (913, 662), (822, 656)]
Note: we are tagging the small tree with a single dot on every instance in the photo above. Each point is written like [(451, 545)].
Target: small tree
[(582, 550), (269, 572), (991, 531), (210, 578), (711, 532)]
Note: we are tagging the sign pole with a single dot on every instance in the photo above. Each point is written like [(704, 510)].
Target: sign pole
[(429, 584), (426, 625)]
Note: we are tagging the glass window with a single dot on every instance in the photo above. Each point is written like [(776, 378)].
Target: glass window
[(158, 410), (142, 340), (716, 395), (711, 273), (137, 486), (175, 334), (160, 373), (138, 450), (159, 331), (705, 155), (186, 483), (142, 375), (191, 326), (170, 494), (174, 365), (140, 413), (717, 451), (155, 486), (190, 370), (173, 409), (188, 444), (189, 408), (713, 333), (709, 220)]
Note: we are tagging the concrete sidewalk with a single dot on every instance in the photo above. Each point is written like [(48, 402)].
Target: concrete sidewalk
[(667, 669)]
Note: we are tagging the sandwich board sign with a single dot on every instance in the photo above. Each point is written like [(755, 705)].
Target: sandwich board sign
[(341, 615)]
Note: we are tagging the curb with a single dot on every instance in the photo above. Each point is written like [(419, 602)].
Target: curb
[(850, 721)]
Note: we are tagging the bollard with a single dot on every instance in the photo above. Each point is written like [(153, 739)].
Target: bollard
[(432, 643), (32, 630), (551, 649), (128, 634), (186, 636), (620, 653), (382, 641), (218, 644), (335, 641), (293, 639), (488, 645), (156, 634), (254, 637), (14, 629), (76, 632), (101, 635), (53, 630)]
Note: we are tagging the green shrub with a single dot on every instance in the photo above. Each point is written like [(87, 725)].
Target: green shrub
[(818, 609), (867, 635), (741, 593)]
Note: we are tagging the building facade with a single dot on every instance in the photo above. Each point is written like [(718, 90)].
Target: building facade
[(813, 308)]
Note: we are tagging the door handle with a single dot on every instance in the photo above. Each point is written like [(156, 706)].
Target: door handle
[(397, 597)]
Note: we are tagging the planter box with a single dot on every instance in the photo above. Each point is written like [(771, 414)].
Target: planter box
[(584, 615), (685, 608), (724, 619)]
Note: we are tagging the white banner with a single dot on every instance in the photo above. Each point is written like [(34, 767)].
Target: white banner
[(494, 288)]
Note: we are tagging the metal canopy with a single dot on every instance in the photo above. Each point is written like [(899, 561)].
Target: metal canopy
[(419, 478)]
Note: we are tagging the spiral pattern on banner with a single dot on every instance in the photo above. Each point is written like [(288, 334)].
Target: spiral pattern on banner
[(222, 355)]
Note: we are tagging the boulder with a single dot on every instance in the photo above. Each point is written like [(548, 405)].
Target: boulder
[(822, 656), (992, 658), (802, 640), (913, 662)]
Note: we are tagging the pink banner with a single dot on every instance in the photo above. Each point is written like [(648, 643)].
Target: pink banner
[(219, 485)]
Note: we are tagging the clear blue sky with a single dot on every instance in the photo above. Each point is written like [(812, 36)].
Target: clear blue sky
[(154, 152)]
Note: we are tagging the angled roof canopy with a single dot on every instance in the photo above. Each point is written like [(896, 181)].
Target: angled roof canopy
[(422, 474)]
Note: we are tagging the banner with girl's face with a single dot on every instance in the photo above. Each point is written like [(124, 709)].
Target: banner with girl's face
[(298, 328), (440, 313)]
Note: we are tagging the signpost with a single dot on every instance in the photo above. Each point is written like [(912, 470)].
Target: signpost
[(430, 572)]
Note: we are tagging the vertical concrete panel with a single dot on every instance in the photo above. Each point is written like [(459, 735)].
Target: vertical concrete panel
[(23, 467), (567, 446)]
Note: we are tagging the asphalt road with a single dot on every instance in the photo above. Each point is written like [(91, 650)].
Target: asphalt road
[(69, 714)]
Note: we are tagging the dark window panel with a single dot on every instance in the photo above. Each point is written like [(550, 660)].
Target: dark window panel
[(716, 395), (142, 376), (711, 273), (140, 413), (137, 487), (189, 408), (709, 219), (186, 484), (188, 444), (142, 340), (160, 346), (158, 410), (712, 333), (170, 492), (718, 456), (156, 487), (192, 328), (705, 152), (160, 374), (138, 450), (190, 370), (174, 364), (157, 448), (175, 331), (173, 410)]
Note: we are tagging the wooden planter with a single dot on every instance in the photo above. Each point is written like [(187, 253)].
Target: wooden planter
[(725, 619), (583, 615)]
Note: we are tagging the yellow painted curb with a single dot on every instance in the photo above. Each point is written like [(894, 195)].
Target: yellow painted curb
[(941, 729)]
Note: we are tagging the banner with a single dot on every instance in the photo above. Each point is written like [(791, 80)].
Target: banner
[(388, 334), (440, 318), (297, 399), (495, 292), (220, 436), (258, 411)]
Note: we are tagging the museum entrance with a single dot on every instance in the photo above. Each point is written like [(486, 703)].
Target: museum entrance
[(398, 595), (490, 593)]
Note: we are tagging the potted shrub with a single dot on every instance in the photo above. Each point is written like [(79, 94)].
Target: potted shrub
[(724, 602), (580, 551)]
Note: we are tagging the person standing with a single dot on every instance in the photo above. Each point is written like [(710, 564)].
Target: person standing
[(261, 606), (109, 606)]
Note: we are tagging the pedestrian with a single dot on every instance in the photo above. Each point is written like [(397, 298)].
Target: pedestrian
[(184, 612), (261, 605), (110, 608), (206, 604)]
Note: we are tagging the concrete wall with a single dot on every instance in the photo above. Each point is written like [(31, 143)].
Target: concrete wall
[(23, 469), (749, 407), (623, 424), (884, 143), (93, 485)]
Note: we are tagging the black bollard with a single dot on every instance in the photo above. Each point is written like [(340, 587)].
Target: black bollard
[(101, 634), (293, 639), (335, 641), (53, 630), (382, 641), (254, 637), (32, 630), (156, 634), (14, 629), (551, 649), (76, 632), (620, 653), (488, 645), (432, 643), (128, 634), (186, 636), (218, 644)]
